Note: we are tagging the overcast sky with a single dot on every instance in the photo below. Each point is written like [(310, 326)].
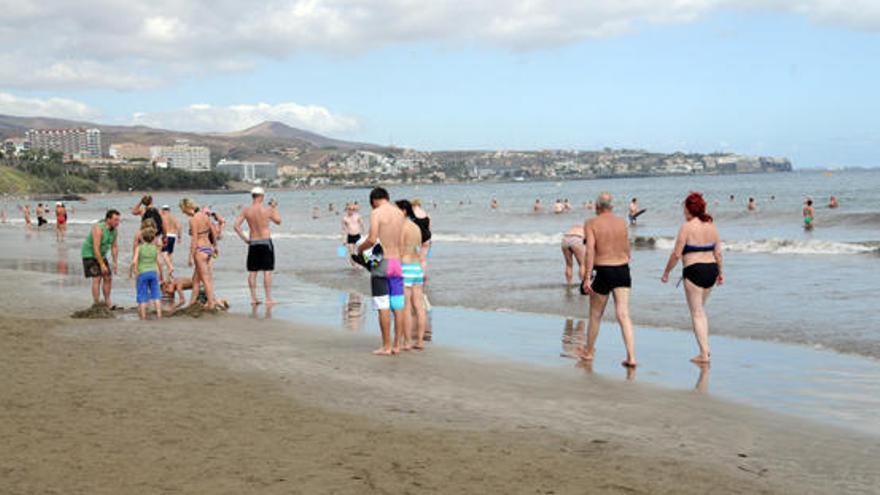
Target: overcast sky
[(778, 77)]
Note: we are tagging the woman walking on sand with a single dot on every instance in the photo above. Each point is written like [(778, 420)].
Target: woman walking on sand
[(200, 252), (698, 245)]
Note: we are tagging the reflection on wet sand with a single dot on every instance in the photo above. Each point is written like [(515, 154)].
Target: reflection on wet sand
[(353, 312), (267, 311), (703, 381), (572, 337)]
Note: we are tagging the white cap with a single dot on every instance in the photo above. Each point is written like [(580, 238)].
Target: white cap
[(258, 191), (58, 203), (166, 207)]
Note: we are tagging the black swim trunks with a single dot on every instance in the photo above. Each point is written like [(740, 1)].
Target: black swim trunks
[(353, 238), (702, 274), (41, 221), (261, 256), (92, 269), (608, 278)]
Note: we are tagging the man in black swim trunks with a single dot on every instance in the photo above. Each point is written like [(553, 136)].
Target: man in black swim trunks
[(607, 273), (261, 251)]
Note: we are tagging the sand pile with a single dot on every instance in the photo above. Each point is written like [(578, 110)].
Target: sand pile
[(195, 311), (96, 312)]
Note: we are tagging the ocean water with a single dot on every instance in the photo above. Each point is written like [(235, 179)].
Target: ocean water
[(817, 288)]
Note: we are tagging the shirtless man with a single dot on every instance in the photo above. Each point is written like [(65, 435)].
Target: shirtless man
[(41, 215), (608, 253), (633, 211), (833, 203), (386, 227), (538, 207), (352, 228), (494, 204), (261, 251), (172, 233)]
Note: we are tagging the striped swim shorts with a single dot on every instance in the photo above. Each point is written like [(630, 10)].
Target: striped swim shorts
[(413, 274)]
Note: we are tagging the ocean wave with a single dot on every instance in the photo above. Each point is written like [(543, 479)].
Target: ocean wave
[(773, 246)]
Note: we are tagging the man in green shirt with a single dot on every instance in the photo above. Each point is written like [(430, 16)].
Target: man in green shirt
[(100, 241)]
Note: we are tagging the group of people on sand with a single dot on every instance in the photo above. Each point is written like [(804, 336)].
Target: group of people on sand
[(395, 252), (602, 251), (153, 248)]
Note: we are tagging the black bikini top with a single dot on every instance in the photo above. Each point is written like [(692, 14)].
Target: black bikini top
[(697, 249)]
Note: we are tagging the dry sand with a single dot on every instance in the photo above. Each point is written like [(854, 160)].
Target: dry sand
[(232, 405)]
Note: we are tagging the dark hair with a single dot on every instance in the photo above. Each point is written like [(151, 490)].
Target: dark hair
[(146, 200), (378, 193), (696, 206), (809, 202), (406, 206), (110, 214)]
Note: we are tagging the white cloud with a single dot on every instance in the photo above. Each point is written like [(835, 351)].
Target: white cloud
[(207, 118), (135, 44), (50, 107)]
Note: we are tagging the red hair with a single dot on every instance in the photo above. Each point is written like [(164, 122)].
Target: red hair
[(696, 206)]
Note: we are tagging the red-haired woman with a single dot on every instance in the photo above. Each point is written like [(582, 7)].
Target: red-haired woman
[(699, 248)]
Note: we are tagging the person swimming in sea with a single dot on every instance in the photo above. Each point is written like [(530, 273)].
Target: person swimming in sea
[(809, 214), (752, 206), (832, 202), (698, 246)]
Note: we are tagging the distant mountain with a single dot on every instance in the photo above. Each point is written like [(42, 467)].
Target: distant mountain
[(280, 130)]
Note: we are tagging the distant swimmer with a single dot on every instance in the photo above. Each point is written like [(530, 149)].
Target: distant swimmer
[(573, 250), (566, 206), (752, 206), (832, 202), (386, 228), (634, 211), (494, 204), (589, 205), (537, 208), (608, 254), (26, 210), (732, 198), (698, 246), (261, 250), (41, 215), (352, 229), (558, 207), (809, 214), (60, 221), (316, 213)]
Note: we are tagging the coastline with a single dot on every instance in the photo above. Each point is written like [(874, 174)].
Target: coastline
[(227, 404)]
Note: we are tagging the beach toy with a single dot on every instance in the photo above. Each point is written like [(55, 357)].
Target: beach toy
[(341, 251)]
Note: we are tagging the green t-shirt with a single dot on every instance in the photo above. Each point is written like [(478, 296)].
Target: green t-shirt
[(147, 258), (108, 236)]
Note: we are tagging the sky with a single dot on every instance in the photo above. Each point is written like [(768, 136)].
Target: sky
[(788, 78)]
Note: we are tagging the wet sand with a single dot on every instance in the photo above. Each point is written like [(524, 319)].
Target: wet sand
[(236, 405)]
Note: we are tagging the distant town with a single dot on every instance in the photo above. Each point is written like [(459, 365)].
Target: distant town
[(276, 155)]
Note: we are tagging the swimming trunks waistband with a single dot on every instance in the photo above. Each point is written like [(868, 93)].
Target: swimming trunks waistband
[(260, 242)]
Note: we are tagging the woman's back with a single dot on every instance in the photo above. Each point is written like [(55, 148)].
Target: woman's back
[(700, 241), (412, 242)]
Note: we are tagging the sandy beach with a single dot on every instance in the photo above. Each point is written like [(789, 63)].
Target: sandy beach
[(235, 405)]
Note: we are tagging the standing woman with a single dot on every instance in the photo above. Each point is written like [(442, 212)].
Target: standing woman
[(201, 250), (60, 221), (423, 220), (698, 245)]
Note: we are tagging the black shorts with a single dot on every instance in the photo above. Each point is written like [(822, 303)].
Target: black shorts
[(261, 257), (353, 239), (608, 278), (92, 269), (168, 246), (41, 221), (701, 274)]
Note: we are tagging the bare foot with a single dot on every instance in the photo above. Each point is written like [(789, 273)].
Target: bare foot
[(629, 363), (584, 355), (270, 302), (700, 359), (418, 347), (395, 350), (256, 302), (407, 348), (382, 352)]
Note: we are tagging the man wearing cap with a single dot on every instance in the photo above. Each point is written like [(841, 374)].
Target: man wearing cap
[(172, 232), (261, 252)]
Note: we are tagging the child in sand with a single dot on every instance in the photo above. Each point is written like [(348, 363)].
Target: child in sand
[(146, 262), (177, 287)]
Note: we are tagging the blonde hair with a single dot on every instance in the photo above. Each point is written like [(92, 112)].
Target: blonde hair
[(148, 234), (188, 204), (416, 202)]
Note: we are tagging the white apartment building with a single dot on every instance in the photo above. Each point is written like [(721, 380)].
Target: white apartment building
[(183, 156), (249, 171), (74, 142)]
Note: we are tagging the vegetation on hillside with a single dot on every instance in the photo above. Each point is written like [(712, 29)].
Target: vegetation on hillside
[(45, 172)]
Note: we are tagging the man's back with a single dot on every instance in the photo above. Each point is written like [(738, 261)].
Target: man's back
[(612, 240), (257, 217), (390, 221)]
